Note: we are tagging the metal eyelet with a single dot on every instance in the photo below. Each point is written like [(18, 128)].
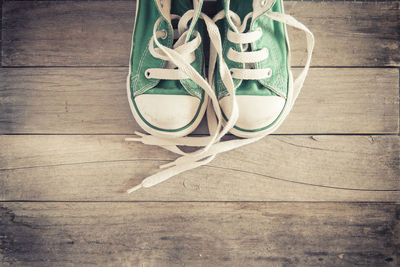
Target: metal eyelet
[(263, 2), (269, 73), (147, 74), (165, 34)]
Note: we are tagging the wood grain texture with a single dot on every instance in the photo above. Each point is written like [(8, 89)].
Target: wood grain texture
[(98, 33), (72, 33), (93, 100), (75, 211), (277, 168), (198, 234)]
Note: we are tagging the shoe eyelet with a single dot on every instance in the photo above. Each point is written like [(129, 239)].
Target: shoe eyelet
[(165, 34), (147, 74), (269, 73), (263, 2)]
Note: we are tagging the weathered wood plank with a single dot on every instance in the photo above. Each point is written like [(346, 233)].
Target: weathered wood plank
[(199, 234), (93, 100), (45, 33), (277, 168), (98, 33), (348, 33)]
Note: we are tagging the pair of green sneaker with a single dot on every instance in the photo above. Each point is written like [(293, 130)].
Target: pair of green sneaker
[(249, 88)]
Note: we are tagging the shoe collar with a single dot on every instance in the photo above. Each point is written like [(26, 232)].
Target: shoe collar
[(259, 8), (164, 7)]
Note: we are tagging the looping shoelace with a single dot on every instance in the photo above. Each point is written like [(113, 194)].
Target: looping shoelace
[(244, 39), (181, 55)]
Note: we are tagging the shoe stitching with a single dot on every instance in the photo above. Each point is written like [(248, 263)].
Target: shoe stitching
[(150, 84)]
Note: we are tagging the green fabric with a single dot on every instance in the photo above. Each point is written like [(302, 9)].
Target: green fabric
[(273, 38), (141, 59)]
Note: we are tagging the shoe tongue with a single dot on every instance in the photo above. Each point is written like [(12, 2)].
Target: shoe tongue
[(242, 8), (197, 5), (164, 6), (181, 7), (227, 8), (261, 6)]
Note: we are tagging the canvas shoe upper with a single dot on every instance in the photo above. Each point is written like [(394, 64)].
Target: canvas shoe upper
[(163, 99), (256, 49)]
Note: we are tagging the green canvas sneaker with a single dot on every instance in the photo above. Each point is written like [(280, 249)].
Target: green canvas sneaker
[(256, 50), (250, 86), (163, 99), (167, 89)]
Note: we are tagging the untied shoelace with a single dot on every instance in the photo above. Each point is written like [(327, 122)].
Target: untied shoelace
[(181, 55)]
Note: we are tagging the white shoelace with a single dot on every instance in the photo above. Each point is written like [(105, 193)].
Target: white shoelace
[(182, 55), (238, 36)]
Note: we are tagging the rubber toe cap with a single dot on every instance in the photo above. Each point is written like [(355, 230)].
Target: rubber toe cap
[(255, 112), (167, 112)]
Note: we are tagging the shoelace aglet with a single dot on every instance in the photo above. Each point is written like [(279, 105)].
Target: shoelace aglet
[(133, 189)]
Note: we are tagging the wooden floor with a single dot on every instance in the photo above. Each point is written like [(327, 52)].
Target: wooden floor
[(323, 191)]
